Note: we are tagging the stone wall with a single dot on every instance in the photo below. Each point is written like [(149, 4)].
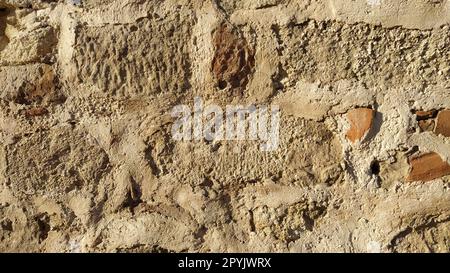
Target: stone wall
[(88, 162)]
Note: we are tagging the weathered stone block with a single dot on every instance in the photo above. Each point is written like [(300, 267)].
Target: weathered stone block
[(135, 59)]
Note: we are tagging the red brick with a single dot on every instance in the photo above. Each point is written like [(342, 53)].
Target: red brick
[(427, 167), (443, 123), (361, 120)]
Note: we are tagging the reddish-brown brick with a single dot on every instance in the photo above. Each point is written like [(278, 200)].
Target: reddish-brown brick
[(443, 123), (427, 167), (421, 115), (233, 60), (361, 120)]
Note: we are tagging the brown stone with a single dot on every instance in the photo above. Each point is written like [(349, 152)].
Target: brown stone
[(426, 125), (44, 86), (422, 115), (427, 167), (361, 120), (233, 60), (443, 123), (37, 111), (30, 84)]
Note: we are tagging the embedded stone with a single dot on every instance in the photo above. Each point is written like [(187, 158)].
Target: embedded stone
[(443, 123), (361, 120), (233, 60), (427, 167), (422, 115), (426, 125), (36, 111)]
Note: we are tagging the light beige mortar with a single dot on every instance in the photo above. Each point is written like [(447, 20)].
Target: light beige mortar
[(88, 162)]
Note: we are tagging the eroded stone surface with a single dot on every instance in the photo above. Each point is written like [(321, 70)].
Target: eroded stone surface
[(330, 51), (135, 59), (30, 84), (233, 60), (88, 162)]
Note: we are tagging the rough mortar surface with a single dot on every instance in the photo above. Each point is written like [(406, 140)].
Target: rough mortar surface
[(88, 162)]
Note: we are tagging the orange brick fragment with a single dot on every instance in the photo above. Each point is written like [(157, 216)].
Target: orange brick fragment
[(443, 123), (361, 120), (427, 167)]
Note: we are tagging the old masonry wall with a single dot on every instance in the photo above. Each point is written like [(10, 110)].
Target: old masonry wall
[(88, 163)]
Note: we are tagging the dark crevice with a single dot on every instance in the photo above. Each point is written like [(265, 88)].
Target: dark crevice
[(267, 6), (43, 222), (200, 234), (151, 162), (375, 167), (3, 38), (134, 195), (252, 221), (276, 32), (278, 78), (207, 183), (6, 225)]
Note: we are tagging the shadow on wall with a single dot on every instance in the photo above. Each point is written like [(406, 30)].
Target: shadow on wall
[(3, 38), (376, 127)]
